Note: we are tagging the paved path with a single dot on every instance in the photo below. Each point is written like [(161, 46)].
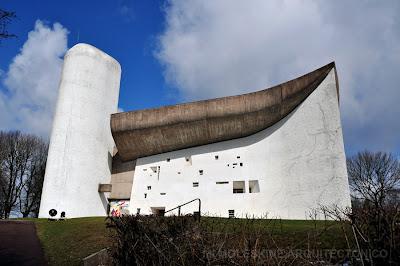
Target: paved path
[(19, 244)]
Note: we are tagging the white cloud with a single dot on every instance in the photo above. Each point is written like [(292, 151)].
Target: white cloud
[(30, 90), (223, 47), (125, 10)]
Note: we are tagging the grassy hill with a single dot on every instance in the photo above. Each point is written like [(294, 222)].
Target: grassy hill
[(68, 242)]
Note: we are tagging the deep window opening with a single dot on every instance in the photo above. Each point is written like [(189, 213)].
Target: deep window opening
[(154, 169), (188, 160), (238, 187), (158, 211), (254, 187)]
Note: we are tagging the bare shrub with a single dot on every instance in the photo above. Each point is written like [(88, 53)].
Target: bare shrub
[(150, 240)]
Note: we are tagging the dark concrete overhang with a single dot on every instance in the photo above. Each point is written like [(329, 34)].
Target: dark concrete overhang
[(153, 131)]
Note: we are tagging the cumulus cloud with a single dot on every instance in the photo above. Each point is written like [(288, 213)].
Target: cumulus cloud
[(223, 47), (30, 86)]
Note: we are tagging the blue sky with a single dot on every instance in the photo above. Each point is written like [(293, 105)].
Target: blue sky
[(184, 50), (124, 29)]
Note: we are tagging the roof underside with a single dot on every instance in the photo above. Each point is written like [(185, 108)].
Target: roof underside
[(153, 131)]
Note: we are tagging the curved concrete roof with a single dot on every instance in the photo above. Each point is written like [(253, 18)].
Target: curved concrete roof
[(153, 131)]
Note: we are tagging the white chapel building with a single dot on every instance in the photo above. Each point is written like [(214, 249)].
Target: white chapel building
[(273, 153)]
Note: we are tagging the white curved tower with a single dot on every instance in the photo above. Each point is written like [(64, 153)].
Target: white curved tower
[(81, 144)]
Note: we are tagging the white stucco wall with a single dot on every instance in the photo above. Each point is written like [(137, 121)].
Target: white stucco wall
[(81, 143), (299, 164)]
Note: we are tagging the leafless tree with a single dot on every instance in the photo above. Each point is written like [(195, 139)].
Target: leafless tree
[(5, 18), (373, 177), (2, 175), (375, 215), (21, 168), (29, 198), (11, 165)]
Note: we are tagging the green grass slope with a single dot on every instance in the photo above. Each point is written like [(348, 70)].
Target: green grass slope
[(68, 242)]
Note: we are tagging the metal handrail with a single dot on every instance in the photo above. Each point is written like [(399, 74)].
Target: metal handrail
[(179, 207)]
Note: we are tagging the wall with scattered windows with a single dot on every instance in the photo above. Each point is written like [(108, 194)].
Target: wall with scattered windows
[(284, 171)]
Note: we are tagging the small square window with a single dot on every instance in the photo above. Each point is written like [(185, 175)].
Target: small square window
[(195, 184), (201, 172), (154, 169), (238, 187), (238, 157), (137, 211), (254, 187), (145, 195), (241, 164), (216, 157), (188, 160), (163, 193), (231, 213), (168, 159), (148, 187)]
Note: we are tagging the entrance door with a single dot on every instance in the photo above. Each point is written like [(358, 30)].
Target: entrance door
[(158, 211)]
